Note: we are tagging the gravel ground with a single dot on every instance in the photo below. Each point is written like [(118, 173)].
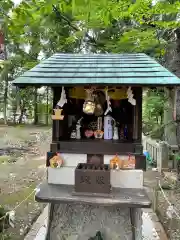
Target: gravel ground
[(22, 168), (171, 226)]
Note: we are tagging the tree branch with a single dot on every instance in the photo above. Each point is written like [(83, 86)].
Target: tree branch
[(60, 17)]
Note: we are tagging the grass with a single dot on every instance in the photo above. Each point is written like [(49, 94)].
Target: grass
[(16, 190), (4, 159), (18, 196)]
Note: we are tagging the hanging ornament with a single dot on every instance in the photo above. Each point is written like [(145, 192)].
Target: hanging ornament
[(63, 98), (109, 109), (57, 114), (130, 96), (89, 104), (99, 101)]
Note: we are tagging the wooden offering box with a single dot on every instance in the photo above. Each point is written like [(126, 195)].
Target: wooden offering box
[(90, 178)]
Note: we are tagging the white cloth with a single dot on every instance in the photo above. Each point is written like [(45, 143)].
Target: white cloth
[(63, 98)]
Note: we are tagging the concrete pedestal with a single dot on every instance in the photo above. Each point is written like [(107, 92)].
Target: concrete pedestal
[(82, 221), (72, 217)]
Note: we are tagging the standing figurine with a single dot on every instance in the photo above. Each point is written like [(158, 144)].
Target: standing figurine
[(115, 131), (78, 129)]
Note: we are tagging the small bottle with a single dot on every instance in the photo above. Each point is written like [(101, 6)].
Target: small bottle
[(126, 132), (121, 134), (108, 130)]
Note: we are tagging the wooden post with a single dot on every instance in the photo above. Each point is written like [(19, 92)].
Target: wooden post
[(177, 119), (60, 122), (155, 196), (164, 153), (138, 113)]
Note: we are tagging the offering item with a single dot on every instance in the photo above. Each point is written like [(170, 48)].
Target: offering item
[(56, 161), (78, 129), (115, 131), (89, 104), (98, 134), (73, 134), (129, 163), (108, 129), (115, 162), (89, 133)]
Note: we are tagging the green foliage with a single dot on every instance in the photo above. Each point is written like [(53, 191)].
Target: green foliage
[(46, 27), (153, 109), (3, 221)]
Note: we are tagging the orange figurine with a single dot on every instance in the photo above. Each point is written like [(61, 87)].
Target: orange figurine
[(115, 162), (56, 161), (131, 161)]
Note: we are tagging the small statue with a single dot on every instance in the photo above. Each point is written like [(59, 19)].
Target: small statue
[(115, 131), (78, 129)]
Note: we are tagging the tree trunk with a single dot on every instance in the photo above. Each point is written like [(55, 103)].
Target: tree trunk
[(5, 98), (170, 128), (47, 106), (22, 107), (35, 107)]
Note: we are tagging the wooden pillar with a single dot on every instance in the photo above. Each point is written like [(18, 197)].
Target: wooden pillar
[(177, 119), (139, 113), (135, 129), (137, 124), (59, 127)]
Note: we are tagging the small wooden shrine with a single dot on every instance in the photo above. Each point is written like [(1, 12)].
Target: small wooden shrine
[(95, 165)]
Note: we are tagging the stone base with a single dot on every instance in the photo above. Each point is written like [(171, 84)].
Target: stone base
[(82, 221)]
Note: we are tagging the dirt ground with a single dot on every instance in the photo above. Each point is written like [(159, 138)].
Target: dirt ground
[(172, 193), (22, 167)]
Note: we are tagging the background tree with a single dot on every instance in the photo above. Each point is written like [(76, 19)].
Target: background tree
[(37, 29)]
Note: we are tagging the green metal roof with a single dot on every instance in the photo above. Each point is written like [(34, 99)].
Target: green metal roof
[(108, 69)]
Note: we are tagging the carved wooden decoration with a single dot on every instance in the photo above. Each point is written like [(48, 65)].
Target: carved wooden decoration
[(57, 114)]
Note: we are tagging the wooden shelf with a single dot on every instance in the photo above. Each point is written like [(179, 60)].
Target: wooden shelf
[(99, 146)]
